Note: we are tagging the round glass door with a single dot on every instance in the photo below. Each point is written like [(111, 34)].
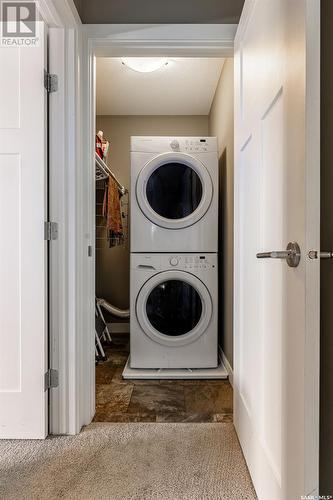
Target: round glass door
[(174, 308), (174, 190)]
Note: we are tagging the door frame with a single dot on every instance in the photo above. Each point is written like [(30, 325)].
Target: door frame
[(64, 49), (177, 40), (72, 52)]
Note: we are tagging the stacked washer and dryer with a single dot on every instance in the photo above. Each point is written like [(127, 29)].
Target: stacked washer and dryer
[(174, 242)]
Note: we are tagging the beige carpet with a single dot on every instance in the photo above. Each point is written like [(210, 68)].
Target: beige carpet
[(128, 461)]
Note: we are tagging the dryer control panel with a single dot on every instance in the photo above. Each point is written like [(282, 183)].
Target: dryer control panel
[(185, 262), (193, 145), (173, 144)]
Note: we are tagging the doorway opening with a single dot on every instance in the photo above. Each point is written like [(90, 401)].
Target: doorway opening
[(164, 230)]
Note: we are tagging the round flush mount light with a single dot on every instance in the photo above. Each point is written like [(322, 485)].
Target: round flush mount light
[(144, 64)]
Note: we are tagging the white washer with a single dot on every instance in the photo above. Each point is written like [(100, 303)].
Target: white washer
[(174, 194), (173, 311)]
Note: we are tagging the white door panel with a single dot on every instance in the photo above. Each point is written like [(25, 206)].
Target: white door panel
[(23, 264), (277, 201)]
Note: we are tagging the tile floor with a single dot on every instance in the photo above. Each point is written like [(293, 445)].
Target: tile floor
[(119, 400)]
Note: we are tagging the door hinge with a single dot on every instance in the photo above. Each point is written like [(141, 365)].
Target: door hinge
[(50, 231), (51, 379), (51, 82)]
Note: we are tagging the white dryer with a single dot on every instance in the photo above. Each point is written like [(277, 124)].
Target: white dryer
[(174, 194), (173, 317)]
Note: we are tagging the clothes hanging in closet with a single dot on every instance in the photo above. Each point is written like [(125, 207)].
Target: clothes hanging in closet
[(112, 212)]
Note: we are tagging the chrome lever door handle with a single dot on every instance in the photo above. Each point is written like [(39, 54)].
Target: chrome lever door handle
[(276, 254), (292, 254), (314, 254)]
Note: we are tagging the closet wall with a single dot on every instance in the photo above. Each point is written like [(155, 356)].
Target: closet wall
[(112, 265), (221, 125)]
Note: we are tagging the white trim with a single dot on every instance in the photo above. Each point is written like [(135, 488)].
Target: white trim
[(59, 13), (227, 366), (88, 180), (65, 147), (198, 40), (58, 248), (74, 148), (49, 14), (247, 12)]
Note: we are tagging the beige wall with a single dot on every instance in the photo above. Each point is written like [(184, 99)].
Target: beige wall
[(112, 265), (221, 124)]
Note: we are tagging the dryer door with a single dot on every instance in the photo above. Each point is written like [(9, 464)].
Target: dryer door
[(174, 190), (174, 308)]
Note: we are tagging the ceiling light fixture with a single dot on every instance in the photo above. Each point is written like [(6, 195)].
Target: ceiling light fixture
[(144, 64)]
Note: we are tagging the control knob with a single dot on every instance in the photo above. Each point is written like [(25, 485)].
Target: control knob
[(174, 261), (174, 144)]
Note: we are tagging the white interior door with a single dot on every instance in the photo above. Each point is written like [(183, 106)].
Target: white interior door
[(23, 251), (276, 365)]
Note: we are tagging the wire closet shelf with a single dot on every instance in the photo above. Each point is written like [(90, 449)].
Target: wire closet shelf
[(102, 171)]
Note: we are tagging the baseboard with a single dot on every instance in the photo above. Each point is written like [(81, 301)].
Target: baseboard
[(227, 367), (119, 327)]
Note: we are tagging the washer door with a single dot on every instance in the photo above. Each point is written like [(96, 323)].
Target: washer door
[(174, 190), (174, 308)]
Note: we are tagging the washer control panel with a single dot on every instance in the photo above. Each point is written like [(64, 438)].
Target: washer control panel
[(182, 262), (198, 262), (191, 262)]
